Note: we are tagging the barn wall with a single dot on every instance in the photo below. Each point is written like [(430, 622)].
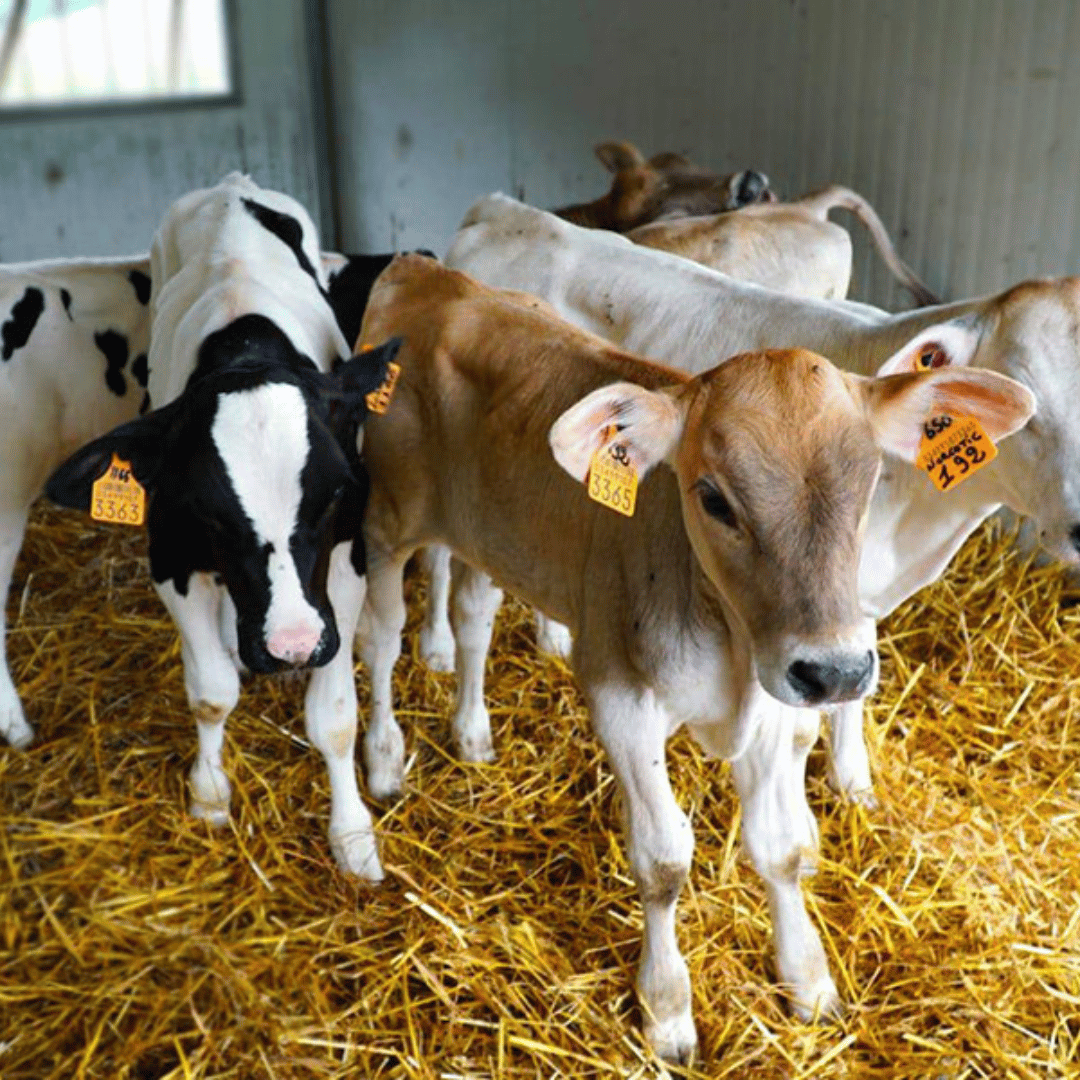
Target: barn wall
[(98, 184), (957, 120)]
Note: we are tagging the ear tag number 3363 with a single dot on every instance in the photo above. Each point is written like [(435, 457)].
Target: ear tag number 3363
[(612, 479), (117, 497), (952, 448)]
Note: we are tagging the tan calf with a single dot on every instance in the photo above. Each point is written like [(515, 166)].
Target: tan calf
[(740, 559), (791, 246), (667, 185)]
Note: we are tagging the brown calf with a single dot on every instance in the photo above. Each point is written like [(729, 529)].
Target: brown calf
[(738, 565), (667, 185)]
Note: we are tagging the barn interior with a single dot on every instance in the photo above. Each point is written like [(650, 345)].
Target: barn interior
[(141, 943)]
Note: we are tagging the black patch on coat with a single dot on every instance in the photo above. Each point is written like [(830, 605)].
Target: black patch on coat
[(287, 229), (65, 299), (115, 348), (140, 282), (140, 370), (25, 312)]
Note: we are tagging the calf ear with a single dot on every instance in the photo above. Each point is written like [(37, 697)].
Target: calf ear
[(141, 442), (648, 423), (944, 345), (366, 370), (616, 156), (899, 405)]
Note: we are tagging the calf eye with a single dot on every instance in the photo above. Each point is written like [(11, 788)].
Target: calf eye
[(715, 505)]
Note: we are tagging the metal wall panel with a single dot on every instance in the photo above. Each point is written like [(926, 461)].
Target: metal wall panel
[(98, 183), (956, 120)]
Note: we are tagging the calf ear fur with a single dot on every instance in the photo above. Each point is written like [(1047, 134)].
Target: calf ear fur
[(141, 442), (617, 156), (366, 370), (899, 405), (648, 423)]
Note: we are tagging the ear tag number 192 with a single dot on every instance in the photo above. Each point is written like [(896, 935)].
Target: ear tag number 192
[(612, 479), (952, 449), (378, 400), (117, 497)]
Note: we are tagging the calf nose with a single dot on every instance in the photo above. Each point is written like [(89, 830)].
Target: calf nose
[(293, 644), (1074, 536), (825, 681)]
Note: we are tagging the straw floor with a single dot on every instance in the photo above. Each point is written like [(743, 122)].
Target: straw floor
[(136, 942)]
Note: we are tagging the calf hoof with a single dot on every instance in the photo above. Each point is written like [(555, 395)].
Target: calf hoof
[(16, 730), (673, 1040), (476, 749), (437, 648), (819, 1001), (217, 813), (356, 854)]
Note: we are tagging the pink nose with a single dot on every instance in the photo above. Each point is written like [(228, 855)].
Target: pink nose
[(294, 644)]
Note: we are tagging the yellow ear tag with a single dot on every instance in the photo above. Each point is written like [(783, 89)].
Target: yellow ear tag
[(952, 448), (378, 401), (612, 479), (117, 497)]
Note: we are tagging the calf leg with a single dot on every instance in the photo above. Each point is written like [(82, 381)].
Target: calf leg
[(13, 725), (330, 715), (381, 623), (780, 836), (552, 637), (474, 600), (633, 729), (436, 638), (212, 685), (849, 763)]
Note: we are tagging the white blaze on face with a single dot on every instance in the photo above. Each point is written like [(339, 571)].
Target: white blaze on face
[(262, 437)]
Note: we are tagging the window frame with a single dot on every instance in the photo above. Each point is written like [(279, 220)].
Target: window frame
[(165, 103)]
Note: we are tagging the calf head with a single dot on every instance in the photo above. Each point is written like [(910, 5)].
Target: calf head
[(776, 456), (667, 185), (251, 474), (1032, 334)]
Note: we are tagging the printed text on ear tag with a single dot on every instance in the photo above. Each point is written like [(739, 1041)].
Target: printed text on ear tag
[(378, 401), (952, 448), (117, 497), (612, 479)]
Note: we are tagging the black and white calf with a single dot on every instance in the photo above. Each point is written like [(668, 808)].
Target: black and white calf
[(74, 335), (252, 476), (74, 339)]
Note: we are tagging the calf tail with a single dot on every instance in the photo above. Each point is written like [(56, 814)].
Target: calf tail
[(842, 198)]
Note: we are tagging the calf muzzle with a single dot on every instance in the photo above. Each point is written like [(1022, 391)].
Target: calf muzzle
[(842, 678)]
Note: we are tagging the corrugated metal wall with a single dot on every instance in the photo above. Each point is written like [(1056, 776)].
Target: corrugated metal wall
[(958, 120), (98, 184)]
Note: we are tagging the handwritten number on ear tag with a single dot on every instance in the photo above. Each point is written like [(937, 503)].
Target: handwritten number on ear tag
[(117, 497), (952, 449), (612, 479)]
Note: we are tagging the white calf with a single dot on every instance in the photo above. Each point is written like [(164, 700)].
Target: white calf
[(669, 308)]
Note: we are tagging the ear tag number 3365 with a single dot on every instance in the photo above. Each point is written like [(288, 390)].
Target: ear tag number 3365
[(117, 497), (952, 448), (612, 479)]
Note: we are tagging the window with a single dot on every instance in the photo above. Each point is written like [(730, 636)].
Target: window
[(73, 52)]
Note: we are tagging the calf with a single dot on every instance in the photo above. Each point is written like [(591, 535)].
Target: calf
[(75, 339), (791, 247), (665, 186), (669, 308), (74, 335), (251, 471), (741, 557)]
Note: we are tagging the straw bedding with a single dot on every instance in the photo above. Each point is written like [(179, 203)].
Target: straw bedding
[(139, 943)]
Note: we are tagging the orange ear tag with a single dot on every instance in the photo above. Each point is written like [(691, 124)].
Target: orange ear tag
[(952, 448), (117, 497), (378, 400), (612, 479)]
